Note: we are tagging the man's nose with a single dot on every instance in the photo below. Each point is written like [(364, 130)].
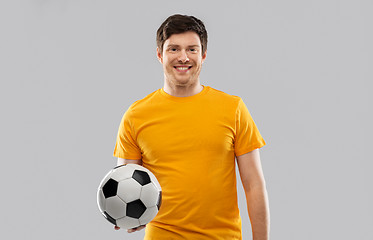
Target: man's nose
[(183, 56)]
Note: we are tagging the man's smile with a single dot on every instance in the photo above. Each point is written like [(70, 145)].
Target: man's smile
[(182, 68)]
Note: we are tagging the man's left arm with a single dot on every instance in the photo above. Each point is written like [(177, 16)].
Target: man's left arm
[(254, 185)]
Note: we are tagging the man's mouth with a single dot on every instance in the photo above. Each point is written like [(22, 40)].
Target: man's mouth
[(182, 68)]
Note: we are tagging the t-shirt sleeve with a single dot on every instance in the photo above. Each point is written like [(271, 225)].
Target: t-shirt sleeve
[(126, 146), (247, 136)]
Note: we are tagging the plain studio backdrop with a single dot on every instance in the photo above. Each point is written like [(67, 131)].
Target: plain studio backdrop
[(69, 69)]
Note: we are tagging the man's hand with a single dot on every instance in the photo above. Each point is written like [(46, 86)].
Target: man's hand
[(132, 229)]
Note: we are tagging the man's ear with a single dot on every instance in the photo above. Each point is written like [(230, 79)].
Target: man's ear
[(204, 56), (159, 56)]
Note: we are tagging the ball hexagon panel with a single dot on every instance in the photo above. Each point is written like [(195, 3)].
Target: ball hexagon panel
[(128, 222), (149, 195), (135, 209), (122, 172), (101, 200), (129, 190), (141, 177), (115, 207), (110, 188), (148, 215)]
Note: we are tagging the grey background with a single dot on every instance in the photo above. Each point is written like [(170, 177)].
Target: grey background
[(69, 70)]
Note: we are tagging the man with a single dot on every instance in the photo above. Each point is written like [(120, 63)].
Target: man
[(188, 135)]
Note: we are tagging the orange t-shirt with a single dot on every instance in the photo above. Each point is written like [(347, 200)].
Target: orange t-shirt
[(190, 144)]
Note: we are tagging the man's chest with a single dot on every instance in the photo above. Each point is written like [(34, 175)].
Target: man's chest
[(170, 134)]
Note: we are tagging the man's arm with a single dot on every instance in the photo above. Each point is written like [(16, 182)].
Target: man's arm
[(256, 193), (122, 161)]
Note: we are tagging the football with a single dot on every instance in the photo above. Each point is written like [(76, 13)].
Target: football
[(129, 196)]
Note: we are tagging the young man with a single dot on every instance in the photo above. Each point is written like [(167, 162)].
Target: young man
[(189, 135)]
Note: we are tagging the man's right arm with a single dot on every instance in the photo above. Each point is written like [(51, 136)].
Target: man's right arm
[(122, 161)]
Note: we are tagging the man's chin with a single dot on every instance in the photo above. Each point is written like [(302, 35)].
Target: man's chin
[(182, 82)]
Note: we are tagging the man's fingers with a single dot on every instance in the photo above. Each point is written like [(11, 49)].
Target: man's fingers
[(132, 229), (135, 229)]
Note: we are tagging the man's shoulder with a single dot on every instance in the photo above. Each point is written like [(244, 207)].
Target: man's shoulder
[(224, 96), (143, 102)]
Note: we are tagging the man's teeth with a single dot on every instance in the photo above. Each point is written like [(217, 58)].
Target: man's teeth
[(182, 68)]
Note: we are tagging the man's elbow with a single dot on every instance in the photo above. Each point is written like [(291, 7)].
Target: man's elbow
[(255, 186)]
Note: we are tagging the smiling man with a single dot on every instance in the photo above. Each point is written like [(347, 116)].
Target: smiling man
[(191, 136), (182, 58)]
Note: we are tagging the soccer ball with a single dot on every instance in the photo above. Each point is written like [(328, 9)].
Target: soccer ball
[(129, 196)]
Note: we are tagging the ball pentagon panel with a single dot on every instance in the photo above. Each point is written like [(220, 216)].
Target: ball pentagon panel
[(135, 209), (141, 177), (110, 188), (151, 175)]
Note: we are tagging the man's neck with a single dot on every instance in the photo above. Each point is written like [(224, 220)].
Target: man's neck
[(183, 91)]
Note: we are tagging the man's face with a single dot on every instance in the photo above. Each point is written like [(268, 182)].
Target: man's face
[(182, 59)]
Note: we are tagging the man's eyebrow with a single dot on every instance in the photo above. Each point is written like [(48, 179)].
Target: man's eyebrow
[(175, 45)]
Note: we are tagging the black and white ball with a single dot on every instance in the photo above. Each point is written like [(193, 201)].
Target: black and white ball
[(129, 196)]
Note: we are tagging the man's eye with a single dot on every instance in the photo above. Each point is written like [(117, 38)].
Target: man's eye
[(173, 49), (192, 50)]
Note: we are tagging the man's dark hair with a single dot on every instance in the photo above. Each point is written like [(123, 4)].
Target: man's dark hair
[(179, 24)]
